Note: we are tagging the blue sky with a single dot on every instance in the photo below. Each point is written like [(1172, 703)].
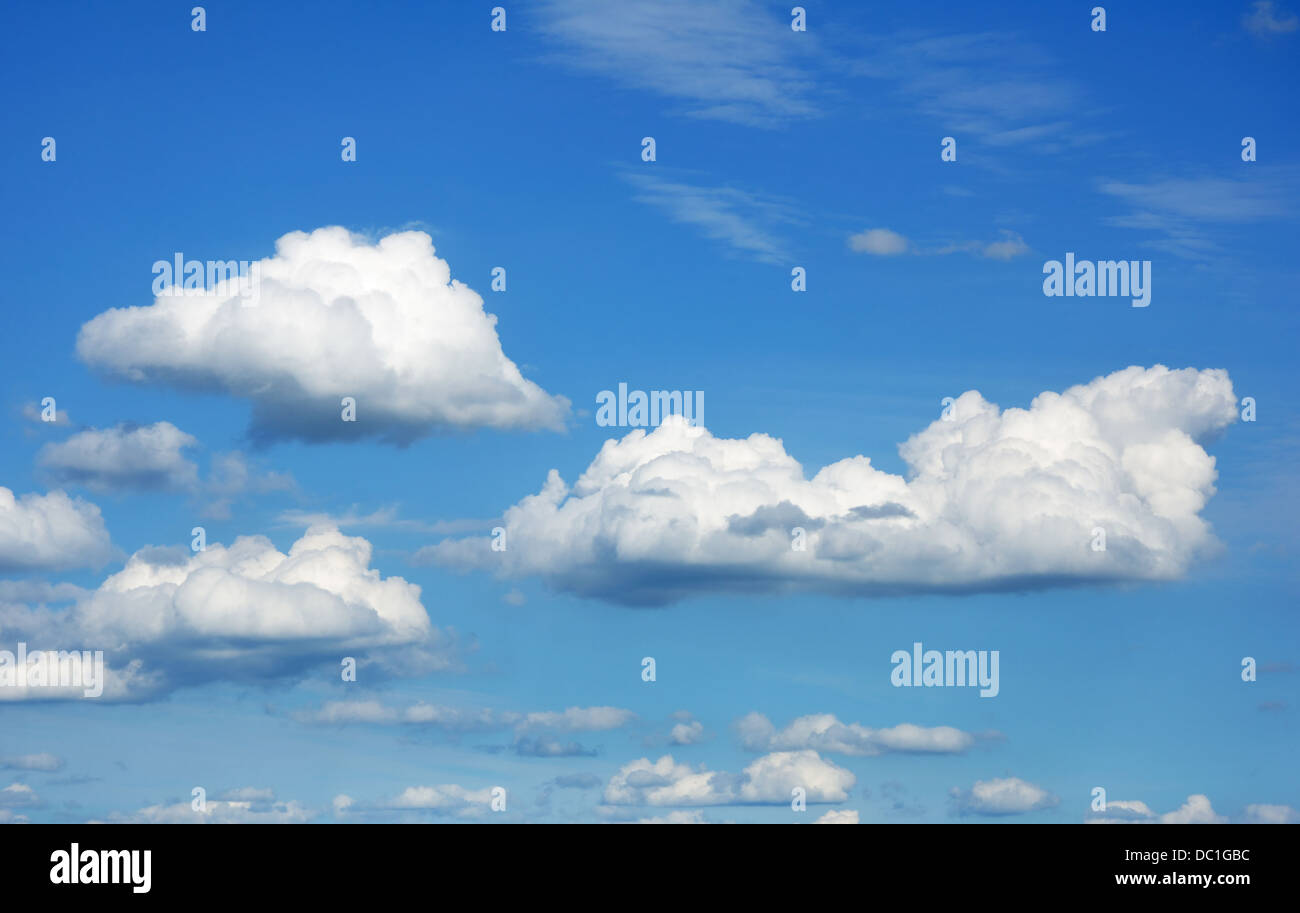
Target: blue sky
[(774, 149)]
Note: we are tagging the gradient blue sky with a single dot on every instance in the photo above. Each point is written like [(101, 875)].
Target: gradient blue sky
[(522, 149)]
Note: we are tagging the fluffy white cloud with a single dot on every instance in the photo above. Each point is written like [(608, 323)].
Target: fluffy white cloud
[(839, 816), (50, 532), (335, 316), (1195, 810), (18, 795), (241, 612), (879, 241), (687, 732), (766, 781), (824, 732), (128, 457), (1006, 796), (993, 500)]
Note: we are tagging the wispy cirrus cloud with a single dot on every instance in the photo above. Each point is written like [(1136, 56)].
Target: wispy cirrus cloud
[(824, 732), (998, 89), (1266, 20), (536, 734), (1191, 213), (748, 224), (732, 60)]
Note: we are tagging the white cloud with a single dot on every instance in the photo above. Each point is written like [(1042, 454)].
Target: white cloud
[(18, 795), (993, 500), (768, 780), (1272, 814), (1264, 20), (242, 612), (336, 316), (1008, 247), (578, 719), (839, 816), (689, 732), (445, 799), (128, 457), (534, 733), (879, 241), (885, 243), (34, 412), (50, 532), (823, 732), (1195, 810), (1006, 796)]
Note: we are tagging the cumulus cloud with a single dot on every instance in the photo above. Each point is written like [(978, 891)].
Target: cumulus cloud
[(823, 732), (128, 457), (1197, 809), (50, 532), (18, 795), (245, 612), (768, 780), (839, 816), (993, 500), (335, 316), (687, 732), (1006, 796)]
